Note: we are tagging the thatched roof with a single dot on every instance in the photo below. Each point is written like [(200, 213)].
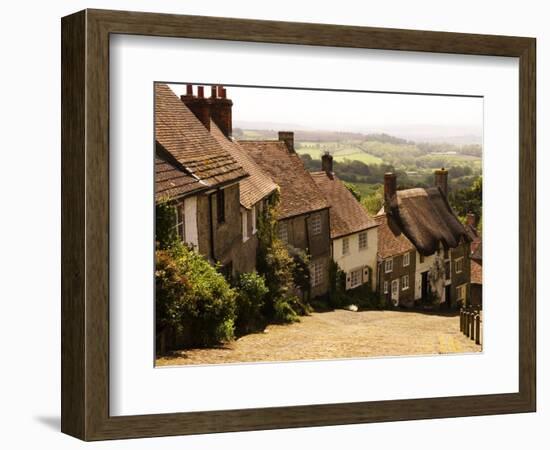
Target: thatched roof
[(391, 240), (426, 218)]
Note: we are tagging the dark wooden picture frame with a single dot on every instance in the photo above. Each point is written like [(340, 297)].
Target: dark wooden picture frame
[(85, 224)]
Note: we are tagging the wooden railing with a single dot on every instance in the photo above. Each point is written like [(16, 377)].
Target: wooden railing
[(470, 323)]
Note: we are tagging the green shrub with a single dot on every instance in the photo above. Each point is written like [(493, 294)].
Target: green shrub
[(165, 219), (279, 269), (284, 309), (337, 286), (251, 293), (193, 298)]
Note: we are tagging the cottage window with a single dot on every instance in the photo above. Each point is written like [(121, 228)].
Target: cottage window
[(406, 259), (244, 221), (356, 278), (282, 229), (345, 246), (388, 265), (461, 293), (316, 273), (458, 265), (179, 224), (363, 241), (254, 220), (220, 205), (316, 224), (404, 282), (385, 287)]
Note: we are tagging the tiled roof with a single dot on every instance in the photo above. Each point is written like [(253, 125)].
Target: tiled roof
[(347, 215), (391, 240), (299, 193), (171, 179), (476, 272), (184, 137), (425, 216), (255, 187)]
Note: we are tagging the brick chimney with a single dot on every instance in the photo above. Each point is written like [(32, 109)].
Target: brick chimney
[(198, 105), (390, 190), (220, 108), (441, 176), (288, 138), (326, 163)]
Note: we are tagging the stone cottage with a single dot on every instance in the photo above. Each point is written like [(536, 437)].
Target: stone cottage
[(353, 233), (442, 244), (193, 170), (303, 213), (254, 190)]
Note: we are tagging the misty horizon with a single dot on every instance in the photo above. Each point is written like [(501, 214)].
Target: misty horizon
[(415, 117)]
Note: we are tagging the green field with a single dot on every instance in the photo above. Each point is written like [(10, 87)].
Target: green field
[(339, 150)]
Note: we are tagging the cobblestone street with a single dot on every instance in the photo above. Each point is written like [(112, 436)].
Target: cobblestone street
[(340, 334)]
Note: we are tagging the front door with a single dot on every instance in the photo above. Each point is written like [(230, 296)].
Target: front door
[(395, 292), (448, 296), (424, 285)]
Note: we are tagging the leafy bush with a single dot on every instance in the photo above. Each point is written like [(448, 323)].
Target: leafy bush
[(251, 293), (284, 309), (279, 269), (337, 286), (193, 297), (165, 232)]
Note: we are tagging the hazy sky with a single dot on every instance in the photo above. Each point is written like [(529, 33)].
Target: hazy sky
[(407, 115)]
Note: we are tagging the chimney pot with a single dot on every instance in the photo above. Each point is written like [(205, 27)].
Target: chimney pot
[(288, 138), (441, 180), (326, 163), (214, 90), (199, 106)]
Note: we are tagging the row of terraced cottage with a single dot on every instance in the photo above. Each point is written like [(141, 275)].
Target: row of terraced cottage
[(415, 245)]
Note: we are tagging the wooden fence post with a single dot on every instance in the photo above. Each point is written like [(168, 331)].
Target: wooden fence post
[(472, 325), (478, 329)]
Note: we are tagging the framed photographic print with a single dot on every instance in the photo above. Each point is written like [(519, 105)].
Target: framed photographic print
[(272, 225)]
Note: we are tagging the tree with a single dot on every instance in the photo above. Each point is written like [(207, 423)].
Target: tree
[(468, 200), (353, 189)]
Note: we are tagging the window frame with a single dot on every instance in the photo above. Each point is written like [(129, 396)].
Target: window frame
[(316, 224), (316, 273), (461, 261), (405, 286), (282, 228), (358, 271), (366, 244), (388, 262), (244, 225), (179, 220), (345, 246), (408, 258)]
